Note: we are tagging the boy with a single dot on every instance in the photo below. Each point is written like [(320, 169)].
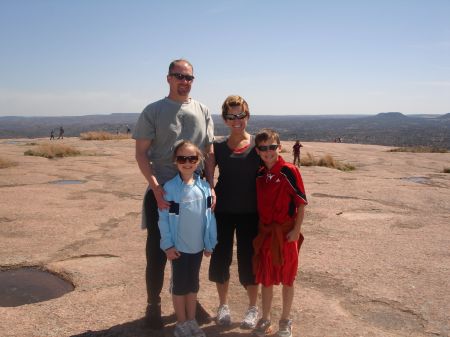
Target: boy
[(281, 205)]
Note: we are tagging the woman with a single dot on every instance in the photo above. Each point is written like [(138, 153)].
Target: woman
[(235, 209)]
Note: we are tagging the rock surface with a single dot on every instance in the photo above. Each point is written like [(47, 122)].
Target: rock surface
[(375, 261)]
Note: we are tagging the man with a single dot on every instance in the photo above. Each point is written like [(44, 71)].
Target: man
[(160, 126), (61, 133), (296, 152)]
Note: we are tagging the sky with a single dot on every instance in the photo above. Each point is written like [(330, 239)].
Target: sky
[(69, 58)]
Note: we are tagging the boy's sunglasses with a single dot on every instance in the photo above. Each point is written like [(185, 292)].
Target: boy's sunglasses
[(232, 117), (181, 77), (184, 159), (265, 148)]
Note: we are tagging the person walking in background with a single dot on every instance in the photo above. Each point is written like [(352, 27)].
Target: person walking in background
[(188, 231), (235, 210), (61, 133), (296, 152), (281, 206), (52, 135), (161, 124)]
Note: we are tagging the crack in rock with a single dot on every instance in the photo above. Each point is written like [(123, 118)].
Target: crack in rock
[(84, 256), (386, 314)]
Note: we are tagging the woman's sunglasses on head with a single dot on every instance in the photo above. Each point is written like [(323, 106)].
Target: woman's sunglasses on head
[(265, 148), (184, 159), (232, 117)]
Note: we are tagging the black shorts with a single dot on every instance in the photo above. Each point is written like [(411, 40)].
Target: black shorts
[(246, 227), (185, 274)]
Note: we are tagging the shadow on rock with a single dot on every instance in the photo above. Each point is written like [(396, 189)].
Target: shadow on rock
[(130, 329), (138, 328)]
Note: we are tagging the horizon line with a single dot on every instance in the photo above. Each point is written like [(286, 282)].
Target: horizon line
[(219, 114)]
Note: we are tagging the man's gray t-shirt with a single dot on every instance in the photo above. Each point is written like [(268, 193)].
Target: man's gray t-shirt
[(167, 122)]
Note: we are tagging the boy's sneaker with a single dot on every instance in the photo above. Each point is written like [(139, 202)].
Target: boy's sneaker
[(250, 319), (153, 317), (182, 330), (285, 328), (195, 329), (223, 315), (263, 328)]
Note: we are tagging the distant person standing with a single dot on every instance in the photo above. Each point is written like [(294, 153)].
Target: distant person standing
[(128, 130), (61, 133), (160, 126), (296, 152), (52, 135)]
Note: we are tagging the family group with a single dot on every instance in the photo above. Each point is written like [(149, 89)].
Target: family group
[(259, 198)]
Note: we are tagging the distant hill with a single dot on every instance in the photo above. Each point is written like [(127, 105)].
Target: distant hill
[(388, 128), (390, 115)]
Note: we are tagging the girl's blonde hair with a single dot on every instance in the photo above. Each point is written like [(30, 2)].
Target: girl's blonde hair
[(187, 143)]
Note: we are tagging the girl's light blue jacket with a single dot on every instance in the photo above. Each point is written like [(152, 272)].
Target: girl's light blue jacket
[(169, 218)]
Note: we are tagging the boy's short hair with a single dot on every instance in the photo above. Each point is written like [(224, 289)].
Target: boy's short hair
[(265, 135), (234, 100)]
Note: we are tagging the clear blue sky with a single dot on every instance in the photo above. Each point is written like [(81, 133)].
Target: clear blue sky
[(84, 57)]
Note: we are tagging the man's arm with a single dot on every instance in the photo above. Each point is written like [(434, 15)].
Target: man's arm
[(142, 147), (210, 165)]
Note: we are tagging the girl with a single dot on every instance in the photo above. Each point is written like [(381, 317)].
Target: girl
[(188, 231)]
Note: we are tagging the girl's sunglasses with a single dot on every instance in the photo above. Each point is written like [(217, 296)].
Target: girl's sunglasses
[(265, 148), (232, 117), (184, 159)]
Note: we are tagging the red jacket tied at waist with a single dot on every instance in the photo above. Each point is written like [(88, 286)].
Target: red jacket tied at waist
[(278, 237)]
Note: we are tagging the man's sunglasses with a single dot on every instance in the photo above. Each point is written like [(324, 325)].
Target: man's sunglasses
[(232, 117), (181, 77), (265, 148), (184, 159)]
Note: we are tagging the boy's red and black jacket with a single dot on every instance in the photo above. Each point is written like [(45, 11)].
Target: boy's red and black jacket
[(280, 191)]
